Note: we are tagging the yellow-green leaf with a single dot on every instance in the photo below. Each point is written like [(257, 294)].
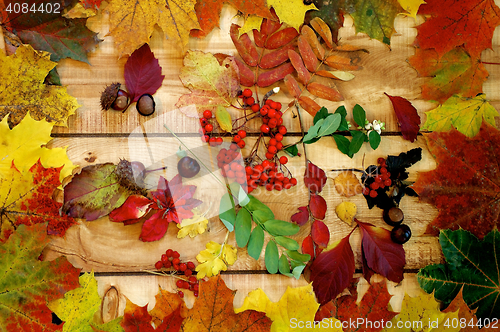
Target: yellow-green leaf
[(251, 22), (465, 114), (224, 119), (346, 212), (214, 259), (291, 12)]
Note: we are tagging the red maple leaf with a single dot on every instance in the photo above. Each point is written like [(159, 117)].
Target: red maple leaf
[(465, 186), (172, 201), (137, 318), (457, 22), (373, 307)]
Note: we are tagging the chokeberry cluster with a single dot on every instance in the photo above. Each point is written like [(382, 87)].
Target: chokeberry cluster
[(381, 177), (171, 259)]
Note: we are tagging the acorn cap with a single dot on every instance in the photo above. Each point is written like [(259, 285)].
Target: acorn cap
[(109, 95)]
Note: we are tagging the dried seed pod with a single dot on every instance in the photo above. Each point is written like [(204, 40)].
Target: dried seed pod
[(115, 98), (146, 105)]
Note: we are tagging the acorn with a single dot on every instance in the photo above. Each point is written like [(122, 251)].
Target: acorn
[(115, 98), (146, 105)]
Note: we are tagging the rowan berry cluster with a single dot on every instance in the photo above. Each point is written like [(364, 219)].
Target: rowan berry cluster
[(206, 130), (268, 175), (382, 179), (171, 259)]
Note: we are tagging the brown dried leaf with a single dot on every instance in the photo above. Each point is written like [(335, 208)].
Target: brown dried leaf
[(324, 91), (304, 75), (323, 30), (313, 41), (347, 184)]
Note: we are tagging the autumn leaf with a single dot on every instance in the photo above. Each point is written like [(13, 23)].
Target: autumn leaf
[(137, 318), (424, 314), (142, 73), (470, 23), (30, 94), (291, 12), (192, 226), (314, 178), (317, 206), (26, 198), (47, 30), (208, 12), (252, 22), (166, 304), (213, 311), (132, 22), (295, 305), (466, 183), (411, 6), (301, 217), (91, 3), (373, 307), (27, 283), (408, 118), (330, 13), (346, 212), (25, 144), (347, 184), (211, 84), (452, 73), (464, 114), (375, 18), (95, 192), (320, 234), (214, 259), (466, 266)]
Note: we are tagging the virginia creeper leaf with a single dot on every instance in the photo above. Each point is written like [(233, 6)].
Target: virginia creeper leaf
[(27, 283), (317, 205), (211, 84), (291, 12), (464, 114), (314, 178), (301, 217), (332, 270), (466, 183), (213, 311), (142, 73), (382, 254), (320, 233), (470, 23), (407, 115)]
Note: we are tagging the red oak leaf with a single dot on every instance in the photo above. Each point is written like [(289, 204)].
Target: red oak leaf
[(382, 255), (171, 202), (465, 186), (320, 234), (142, 73), (301, 217), (317, 205), (314, 178), (456, 22), (373, 307), (408, 118), (332, 271)]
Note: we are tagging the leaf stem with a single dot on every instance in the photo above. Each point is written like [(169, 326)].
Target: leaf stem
[(347, 169), (302, 132)]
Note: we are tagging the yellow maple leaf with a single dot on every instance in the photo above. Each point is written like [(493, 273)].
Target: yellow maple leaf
[(346, 212), (422, 314), (193, 226), (21, 83), (411, 6), (295, 310), (25, 144), (251, 22), (132, 21), (214, 259), (291, 12)]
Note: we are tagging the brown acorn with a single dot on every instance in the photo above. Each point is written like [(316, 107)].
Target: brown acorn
[(146, 105), (115, 98)]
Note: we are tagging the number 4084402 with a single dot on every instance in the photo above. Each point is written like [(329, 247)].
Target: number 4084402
[(43, 8), (463, 323)]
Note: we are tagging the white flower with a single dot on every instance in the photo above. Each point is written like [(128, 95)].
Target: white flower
[(368, 126)]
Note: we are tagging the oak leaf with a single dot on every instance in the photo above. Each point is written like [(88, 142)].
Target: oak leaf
[(407, 115), (424, 314), (468, 265), (30, 93), (347, 184), (26, 198), (464, 114), (291, 12), (132, 22), (466, 183), (452, 73), (346, 212), (214, 259), (470, 23), (373, 307), (211, 83), (192, 226), (295, 305), (27, 283), (25, 144), (213, 311)]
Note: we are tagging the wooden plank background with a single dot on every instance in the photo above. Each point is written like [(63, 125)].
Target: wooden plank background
[(114, 251)]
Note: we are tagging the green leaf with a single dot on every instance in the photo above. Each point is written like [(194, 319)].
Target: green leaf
[(470, 264), (321, 114), (255, 243), (224, 118), (313, 130), (292, 150), (330, 125), (294, 254), (358, 138), (284, 266), (359, 115), (374, 139), (286, 242), (343, 144), (242, 227), (260, 211), (272, 257), (297, 271), (281, 227), (262, 216), (343, 123), (227, 214), (239, 192)]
